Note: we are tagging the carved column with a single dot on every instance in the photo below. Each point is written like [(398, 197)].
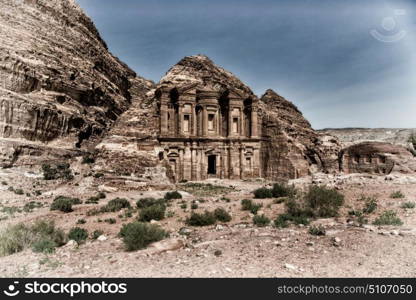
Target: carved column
[(242, 162), (241, 125), (180, 119), (164, 114), (230, 121), (187, 162), (204, 121), (194, 162), (181, 166), (194, 121), (254, 122)]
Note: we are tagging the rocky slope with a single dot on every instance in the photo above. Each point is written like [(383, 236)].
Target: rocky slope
[(60, 88), (293, 149), (349, 136)]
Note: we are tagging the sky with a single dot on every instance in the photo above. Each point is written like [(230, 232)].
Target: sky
[(343, 63)]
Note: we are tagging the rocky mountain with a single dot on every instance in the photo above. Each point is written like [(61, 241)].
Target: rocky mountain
[(349, 136), (293, 149), (62, 93), (60, 87), (377, 158)]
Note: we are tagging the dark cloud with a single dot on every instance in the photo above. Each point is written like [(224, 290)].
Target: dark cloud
[(319, 54)]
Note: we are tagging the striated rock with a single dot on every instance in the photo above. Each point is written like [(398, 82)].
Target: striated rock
[(377, 158), (291, 148), (59, 85), (350, 136)]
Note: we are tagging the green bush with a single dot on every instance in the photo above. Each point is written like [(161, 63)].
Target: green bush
[(408, 205), (64, 205), (87, 159), (304, 220), (397, 195), (81, 221), (197, 219), (92, 200), (74, 201), (263, 193), (153, 212), (16, 238), (370, 205), (19, 192), (261, 221), (78, 234), (116, 204), (101, 195), (281, 190), (95, 199), (388, 217), (146, 202), (98, 175), (194, 206), (282, 221), (139, 235), (222, 215), (29, 207), (317, 230), (323, 202), (44, 246), (173, 195), (110, 221), (247, 204), (59, 171)]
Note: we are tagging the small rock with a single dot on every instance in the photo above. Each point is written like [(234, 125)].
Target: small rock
[(185, 231), (310, 243), (336, 241), (107, 189), (102, 238), (154, 222), (71, 244), (219, 227), (290, 267), (167, 245), (394, 232)]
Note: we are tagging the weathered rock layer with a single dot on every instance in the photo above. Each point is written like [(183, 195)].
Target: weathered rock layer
[(59, 85)]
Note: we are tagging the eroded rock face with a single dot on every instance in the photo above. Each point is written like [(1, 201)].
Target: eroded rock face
[(57, 78), (130, 147), (376, 158), (291, 148)]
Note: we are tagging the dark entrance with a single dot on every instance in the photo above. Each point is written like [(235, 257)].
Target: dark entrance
[(212, 164)]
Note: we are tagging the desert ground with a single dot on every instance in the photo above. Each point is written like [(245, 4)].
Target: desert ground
[(234, 249)]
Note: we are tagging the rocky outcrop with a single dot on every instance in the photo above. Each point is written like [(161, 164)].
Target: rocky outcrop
[(376, 158), (128, 152), (59, 85), (291, 148), (350, 136)]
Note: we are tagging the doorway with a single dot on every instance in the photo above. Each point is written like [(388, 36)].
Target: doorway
[(212, 164)]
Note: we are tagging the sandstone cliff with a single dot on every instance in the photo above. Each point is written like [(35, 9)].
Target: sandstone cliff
[(350, 136), (292, 148), (60, 88), (376, 158)]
